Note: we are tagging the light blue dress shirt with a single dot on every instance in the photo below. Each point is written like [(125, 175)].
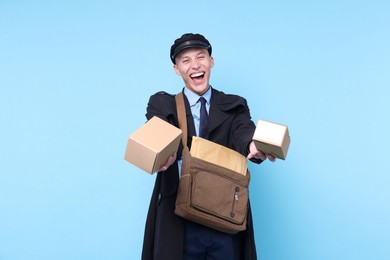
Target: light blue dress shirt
[(193, 99)]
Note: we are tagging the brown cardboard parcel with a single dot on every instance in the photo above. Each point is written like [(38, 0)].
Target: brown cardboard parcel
[(272, 138), (149, 147)]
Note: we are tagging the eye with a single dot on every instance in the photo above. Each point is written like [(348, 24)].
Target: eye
[(201, 57), (185, 61)]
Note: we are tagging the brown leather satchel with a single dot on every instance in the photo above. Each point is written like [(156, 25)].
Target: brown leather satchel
[(210, 194)]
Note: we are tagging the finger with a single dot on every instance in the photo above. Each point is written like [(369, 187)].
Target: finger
[(163, 168), (271, 157), (261, 155), (253, 155), (257, 156), (170, 161)]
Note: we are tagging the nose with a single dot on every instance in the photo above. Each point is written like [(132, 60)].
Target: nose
[(195, 64)]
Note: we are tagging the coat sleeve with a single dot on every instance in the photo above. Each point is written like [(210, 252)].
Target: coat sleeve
[(163, 237), (243, 128), (150, 227)]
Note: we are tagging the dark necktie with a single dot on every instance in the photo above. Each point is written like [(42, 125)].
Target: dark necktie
[(203, 119)]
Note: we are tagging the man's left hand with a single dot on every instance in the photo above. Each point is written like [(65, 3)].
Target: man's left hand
[(254, 153)]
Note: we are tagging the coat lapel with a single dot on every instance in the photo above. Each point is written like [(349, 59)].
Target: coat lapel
[(216, 115), (190, 121), (221, 107)]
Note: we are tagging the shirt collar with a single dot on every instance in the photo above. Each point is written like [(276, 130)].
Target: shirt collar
[(193, 98)]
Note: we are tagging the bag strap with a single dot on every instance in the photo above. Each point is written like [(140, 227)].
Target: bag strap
[(181, 115)]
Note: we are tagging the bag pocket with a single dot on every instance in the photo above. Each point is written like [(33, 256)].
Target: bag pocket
[(219, 195)]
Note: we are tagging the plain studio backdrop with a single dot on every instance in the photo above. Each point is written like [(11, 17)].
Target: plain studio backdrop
[(75, 79)]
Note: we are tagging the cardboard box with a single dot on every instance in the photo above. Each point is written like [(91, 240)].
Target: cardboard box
[(272, 138), (149, 147)]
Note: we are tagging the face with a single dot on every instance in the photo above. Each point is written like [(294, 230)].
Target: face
[(194, 66)]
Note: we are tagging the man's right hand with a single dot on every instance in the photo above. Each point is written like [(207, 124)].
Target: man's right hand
[(171, 159)]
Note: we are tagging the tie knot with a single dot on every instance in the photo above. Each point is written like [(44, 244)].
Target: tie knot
[(202, 100)]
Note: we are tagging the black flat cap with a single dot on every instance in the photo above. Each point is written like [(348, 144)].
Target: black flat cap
[(189, 40)]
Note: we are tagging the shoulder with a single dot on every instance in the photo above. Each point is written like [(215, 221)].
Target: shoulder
[(228, 101), (161, 104), (161, 97)]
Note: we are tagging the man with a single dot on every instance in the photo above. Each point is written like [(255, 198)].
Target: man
[(167, 236)]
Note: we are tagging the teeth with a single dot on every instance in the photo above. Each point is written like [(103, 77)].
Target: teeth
[(197, 74)]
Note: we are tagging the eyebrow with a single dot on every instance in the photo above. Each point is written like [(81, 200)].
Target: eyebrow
[(201, 51)]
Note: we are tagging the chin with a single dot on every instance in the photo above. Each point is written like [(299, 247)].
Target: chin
[(201, 90)]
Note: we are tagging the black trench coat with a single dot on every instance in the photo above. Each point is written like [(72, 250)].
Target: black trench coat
[(230, 125)]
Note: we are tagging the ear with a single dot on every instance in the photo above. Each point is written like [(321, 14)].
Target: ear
[(212, 61), (176, 69)]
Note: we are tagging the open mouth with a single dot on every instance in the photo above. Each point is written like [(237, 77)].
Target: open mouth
[(197, 76)]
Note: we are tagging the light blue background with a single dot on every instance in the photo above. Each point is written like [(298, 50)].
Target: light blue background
[(75, 78)]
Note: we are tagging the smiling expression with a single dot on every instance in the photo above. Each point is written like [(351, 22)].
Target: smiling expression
[(194, 66)]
